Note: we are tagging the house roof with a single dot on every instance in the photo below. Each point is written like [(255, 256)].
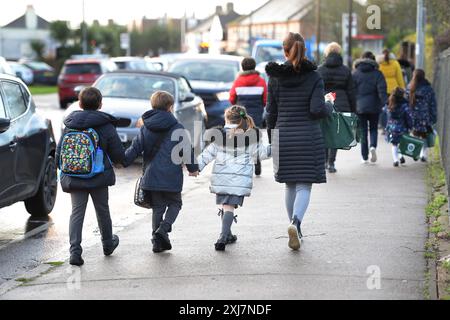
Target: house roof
[(225, 19), (20, 23), (274, 11)]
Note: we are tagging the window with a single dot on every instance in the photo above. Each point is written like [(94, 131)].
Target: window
[(134, 86), (183, 89), (87, 68), (2, 109), (15, 104), (207, 70)]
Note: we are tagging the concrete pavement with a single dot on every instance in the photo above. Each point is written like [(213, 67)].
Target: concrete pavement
[(364, 239)]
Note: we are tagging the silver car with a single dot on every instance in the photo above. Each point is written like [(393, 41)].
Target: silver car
[(126, 96)]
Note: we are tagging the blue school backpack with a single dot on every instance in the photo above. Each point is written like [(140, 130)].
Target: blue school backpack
[(81, 156)]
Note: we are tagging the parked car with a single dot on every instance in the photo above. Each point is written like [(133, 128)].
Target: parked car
[(211, 77), (126, 95), (22, 72), (268, 51), (80, 72), (5, 67), (27, 151), (42, 72), (133, 63)]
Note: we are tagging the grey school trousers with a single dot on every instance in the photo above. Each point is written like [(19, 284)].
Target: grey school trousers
[(79, 202)]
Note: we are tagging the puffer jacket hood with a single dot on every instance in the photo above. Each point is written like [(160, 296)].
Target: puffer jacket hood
[(79, 120), (366, 65), (334, 60), (159, 121), (286, 69)]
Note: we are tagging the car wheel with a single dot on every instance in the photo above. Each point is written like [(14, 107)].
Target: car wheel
[(43, 202), (63, 104)]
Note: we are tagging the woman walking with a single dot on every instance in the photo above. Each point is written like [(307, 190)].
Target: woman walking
[(338, 79), (422, 101), (295, 103), (371, 96)]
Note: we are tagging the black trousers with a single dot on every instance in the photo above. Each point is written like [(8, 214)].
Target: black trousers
[(330, 156), (166, 207)]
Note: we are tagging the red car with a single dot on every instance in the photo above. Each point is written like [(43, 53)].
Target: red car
[(83, 72)]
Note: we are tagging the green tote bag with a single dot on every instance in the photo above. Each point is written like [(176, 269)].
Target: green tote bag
[(340, 130)]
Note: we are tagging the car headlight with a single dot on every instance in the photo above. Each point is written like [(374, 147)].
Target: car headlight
[(223, 96)]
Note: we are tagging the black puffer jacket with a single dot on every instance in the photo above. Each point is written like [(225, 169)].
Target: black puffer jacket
[(371, 87), (295, 104), (338, 78), (104, 125)]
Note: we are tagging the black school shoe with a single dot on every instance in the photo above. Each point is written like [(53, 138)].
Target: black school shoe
[(232, 239), (110, 249), (163, 238), (332, 168), (220, 245), (157, 248), (76, 260), (258, 168), (396, 164), (402, 160)]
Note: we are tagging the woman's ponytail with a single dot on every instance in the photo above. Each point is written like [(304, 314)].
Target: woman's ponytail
[(295, 50)]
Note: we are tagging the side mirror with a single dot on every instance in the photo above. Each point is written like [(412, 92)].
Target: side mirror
[(19, 74), (188, 97), (4, 125), (78, 89)]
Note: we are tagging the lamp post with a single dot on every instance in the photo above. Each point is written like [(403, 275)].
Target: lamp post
[(420, 43), (84, 31), (318, 31), (350, 30)]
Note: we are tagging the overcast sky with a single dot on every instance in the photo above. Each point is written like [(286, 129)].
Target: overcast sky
[(123, 11)]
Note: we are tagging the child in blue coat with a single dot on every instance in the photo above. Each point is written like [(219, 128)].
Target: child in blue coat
[(399, 122)]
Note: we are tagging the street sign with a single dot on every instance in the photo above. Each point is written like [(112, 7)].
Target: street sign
[(125, 41)]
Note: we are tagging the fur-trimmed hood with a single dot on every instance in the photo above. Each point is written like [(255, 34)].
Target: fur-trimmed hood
[(369, 64), (286, 69)]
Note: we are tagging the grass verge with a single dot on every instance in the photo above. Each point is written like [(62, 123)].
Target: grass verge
[(39, 90), (437, 248)]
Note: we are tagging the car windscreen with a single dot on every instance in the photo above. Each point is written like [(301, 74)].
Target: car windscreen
[(134, 86), (207, 70), (82, 68), (269, 53), (39, 66)]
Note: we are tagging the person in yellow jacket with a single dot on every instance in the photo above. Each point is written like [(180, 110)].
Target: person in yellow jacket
[(393, 74), (392, 71)]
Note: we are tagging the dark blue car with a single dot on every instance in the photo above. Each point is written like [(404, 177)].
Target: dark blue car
[(211, 77)]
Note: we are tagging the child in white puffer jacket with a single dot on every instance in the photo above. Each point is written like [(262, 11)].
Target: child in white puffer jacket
[(235, 150)]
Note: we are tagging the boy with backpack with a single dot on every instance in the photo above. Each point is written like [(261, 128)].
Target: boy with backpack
[(162, 180), (85, 153)]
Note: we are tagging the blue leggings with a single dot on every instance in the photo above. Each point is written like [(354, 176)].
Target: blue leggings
[(297, 199)]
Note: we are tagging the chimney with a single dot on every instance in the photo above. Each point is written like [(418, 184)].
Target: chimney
[(230, 7), (219, 10), (31, 19)]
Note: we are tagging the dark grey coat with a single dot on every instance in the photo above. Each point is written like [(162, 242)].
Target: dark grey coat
[(295, 104), (371, 87)]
